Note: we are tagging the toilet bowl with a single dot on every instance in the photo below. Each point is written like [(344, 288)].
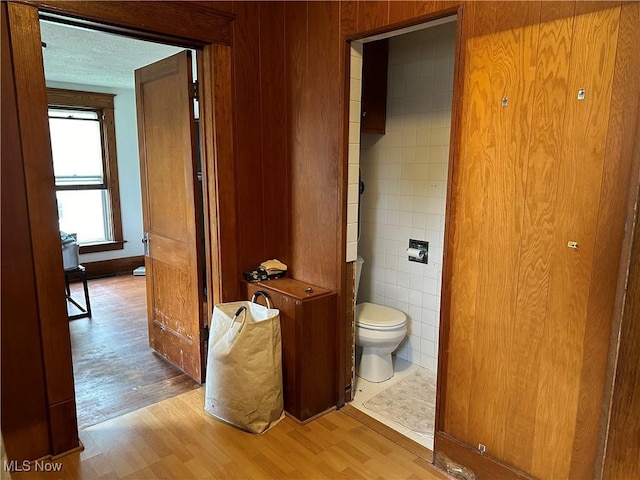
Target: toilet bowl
[(378, 330)]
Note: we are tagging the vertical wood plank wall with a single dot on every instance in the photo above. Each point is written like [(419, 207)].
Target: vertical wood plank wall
[(262, 132), (24, 407), (621, 162), (41, 244), (530, 318), (528, 349), (621, 458), (621, 453)]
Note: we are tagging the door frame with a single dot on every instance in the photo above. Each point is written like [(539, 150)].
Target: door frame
[(202, 28), (455, 142)]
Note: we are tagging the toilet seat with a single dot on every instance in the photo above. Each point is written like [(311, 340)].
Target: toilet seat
[(378, 317)]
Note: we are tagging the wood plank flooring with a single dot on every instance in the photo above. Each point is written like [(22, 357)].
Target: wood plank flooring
[(115, 370), (176, 439)]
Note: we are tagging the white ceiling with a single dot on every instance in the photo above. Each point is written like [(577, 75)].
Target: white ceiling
[(90, 57)]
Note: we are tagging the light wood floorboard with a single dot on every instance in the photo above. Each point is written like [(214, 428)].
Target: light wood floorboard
[(176, 439)]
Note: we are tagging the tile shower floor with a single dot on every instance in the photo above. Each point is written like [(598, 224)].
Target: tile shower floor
[(365, 390)]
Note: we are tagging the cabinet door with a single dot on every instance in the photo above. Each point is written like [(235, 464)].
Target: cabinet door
[(287, 309), (316, 343), (290, 352), (375, 60)]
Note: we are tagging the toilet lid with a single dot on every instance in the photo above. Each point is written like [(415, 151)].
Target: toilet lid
[(373, 315)]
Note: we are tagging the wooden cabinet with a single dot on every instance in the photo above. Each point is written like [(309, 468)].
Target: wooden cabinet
[(308, 323), (375, 61)]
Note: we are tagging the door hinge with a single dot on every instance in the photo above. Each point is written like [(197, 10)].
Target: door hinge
[(205, 333), (145, 241), (194, 91)]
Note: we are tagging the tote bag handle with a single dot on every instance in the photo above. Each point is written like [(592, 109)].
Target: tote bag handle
[(239, 312), (264, 294)]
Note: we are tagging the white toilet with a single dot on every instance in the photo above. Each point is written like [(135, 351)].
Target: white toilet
[(379, 331)]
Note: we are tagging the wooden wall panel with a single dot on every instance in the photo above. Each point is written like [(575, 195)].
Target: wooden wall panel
[(47, 255), (518, 391), (298, 116), (576, 207), (372, 14), (319, 174), (248, 127), (313, 141), (621, 458), (331, 178), (514, 48), (221, 208), (610, 234), (621, 455), (402, 10), (24, 400), (468, 190), (275, 170), (411, 11), (348, 17), (548, 108)]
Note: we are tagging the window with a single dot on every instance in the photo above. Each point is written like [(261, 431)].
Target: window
[(83, 145)]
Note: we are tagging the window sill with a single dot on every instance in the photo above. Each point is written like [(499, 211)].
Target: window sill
[(101, 246)]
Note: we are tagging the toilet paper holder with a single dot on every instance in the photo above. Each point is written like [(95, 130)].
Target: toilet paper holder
[(418, 251)]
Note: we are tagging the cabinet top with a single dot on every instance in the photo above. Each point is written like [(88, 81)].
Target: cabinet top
[(294, 288)]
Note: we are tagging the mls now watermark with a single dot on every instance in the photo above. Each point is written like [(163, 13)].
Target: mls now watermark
[(27, 466)]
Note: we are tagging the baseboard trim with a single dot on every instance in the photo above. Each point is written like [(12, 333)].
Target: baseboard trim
[(481, 466), (106, 268), (310, 419)]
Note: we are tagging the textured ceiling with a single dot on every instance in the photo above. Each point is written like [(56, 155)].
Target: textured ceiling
[(89, 57)]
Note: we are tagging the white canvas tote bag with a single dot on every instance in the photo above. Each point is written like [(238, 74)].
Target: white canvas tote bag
[(244, 366)]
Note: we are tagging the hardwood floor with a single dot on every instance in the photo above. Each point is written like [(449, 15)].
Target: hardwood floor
[(115, 370), (176, 439)]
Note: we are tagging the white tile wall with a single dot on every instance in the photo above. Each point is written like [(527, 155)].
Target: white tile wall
[(405, 175), (354, 151)]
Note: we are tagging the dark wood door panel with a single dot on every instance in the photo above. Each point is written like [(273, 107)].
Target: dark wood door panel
[(171, 211)]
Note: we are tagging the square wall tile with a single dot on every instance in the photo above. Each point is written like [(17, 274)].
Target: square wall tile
[(354, 132), (352, 251), (354, 154), (356, 67), (355, 89), (352, 213), (354, 111), (352, 193), (353, 174)]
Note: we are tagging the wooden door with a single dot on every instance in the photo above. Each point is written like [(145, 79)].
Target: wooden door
[(171, 209)]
